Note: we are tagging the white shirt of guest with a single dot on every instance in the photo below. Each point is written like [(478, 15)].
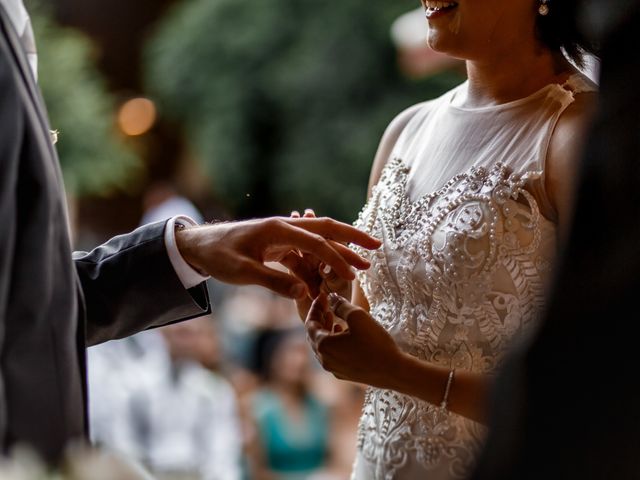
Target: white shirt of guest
[(176, 418)]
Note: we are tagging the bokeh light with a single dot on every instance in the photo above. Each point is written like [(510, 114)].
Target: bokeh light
[(137, 116)]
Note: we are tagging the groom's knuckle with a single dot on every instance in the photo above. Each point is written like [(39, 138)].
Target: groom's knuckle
[(327, 222), (318, 241), (272, 224)]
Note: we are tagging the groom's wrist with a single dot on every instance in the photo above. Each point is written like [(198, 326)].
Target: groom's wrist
[(181, 259)]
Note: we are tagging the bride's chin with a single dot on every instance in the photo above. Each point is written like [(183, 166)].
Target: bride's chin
[(444, 43), (436, 38), (436, 44)]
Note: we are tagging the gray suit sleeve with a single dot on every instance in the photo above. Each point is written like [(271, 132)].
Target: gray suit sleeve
[(129, 284)]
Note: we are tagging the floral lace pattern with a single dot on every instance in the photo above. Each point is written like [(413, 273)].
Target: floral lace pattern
[(462, 271)]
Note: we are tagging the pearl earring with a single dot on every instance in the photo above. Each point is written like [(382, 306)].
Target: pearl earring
[(544, 8)]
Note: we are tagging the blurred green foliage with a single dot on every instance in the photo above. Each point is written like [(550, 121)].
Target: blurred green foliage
[(285, 101), (94, 157)]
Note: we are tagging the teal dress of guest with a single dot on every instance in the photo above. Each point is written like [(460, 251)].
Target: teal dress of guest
[(293, 448)]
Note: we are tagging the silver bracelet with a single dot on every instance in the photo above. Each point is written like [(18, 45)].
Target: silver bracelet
[(445, 399)]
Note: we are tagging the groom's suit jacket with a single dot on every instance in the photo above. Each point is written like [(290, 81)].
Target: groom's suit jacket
[(53, 305), (567, 404)]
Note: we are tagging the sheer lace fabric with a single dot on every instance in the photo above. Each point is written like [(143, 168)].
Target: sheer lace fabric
[(469, 241)]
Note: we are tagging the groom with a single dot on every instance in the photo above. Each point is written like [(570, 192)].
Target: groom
[(52, 306)]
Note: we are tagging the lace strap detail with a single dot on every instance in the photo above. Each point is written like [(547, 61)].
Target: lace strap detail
[(576, 84)]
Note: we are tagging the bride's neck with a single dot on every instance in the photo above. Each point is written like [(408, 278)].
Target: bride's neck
[(503, 78)]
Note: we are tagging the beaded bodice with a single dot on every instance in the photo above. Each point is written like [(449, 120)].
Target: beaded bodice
[(462, 270), (472, 250)]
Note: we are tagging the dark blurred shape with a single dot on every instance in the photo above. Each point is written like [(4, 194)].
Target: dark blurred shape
[(566, 405), (600, 19)]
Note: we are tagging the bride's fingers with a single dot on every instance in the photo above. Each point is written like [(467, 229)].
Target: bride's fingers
[(303, 270), (328, 275), (309, 213), (319, 321)]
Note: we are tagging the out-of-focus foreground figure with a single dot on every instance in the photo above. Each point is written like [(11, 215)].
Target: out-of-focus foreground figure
[(566, 405)]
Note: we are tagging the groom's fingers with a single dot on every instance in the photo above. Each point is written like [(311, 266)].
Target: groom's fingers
[(316, 322), (334, 230), (303, 270), (350, 256), (320, 247), (279, 282)]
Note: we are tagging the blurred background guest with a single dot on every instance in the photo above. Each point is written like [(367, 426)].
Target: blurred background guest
[(185, 418), (292, 425), (161, 200), (157, 396)]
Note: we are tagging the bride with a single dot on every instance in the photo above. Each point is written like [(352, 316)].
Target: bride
[(471, 193)]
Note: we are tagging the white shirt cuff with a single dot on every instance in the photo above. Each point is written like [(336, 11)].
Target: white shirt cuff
[(188, 275)]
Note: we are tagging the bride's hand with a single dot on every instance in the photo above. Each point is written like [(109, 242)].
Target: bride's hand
[(319, 277), (360, 350)]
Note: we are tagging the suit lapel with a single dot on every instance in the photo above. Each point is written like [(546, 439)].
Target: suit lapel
[(26, 73), (38, 112)]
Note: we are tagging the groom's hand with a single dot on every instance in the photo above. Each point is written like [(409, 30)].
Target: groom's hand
[(235, 252)]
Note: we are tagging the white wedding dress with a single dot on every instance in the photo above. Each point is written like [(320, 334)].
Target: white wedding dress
[(469, 239)]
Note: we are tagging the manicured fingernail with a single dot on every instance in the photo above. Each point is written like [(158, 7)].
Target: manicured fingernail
[(337, 329), (298, 291), (326, 270), (308, 210)]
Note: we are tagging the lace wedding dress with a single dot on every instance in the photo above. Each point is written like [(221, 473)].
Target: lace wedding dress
[(469, 239)]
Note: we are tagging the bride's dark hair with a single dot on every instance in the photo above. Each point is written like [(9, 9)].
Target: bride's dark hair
[(560, 30)]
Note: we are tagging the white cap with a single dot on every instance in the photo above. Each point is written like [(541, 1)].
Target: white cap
[(410, 29)]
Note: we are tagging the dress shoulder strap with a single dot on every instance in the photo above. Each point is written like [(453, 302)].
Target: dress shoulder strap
[(578, 83), (565, 94)]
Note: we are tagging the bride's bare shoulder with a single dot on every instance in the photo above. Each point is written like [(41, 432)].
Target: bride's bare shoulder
[(564, 154), (390, 138)]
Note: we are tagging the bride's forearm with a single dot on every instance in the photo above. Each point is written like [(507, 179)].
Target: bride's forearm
[(467, 394), (368, 354)]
